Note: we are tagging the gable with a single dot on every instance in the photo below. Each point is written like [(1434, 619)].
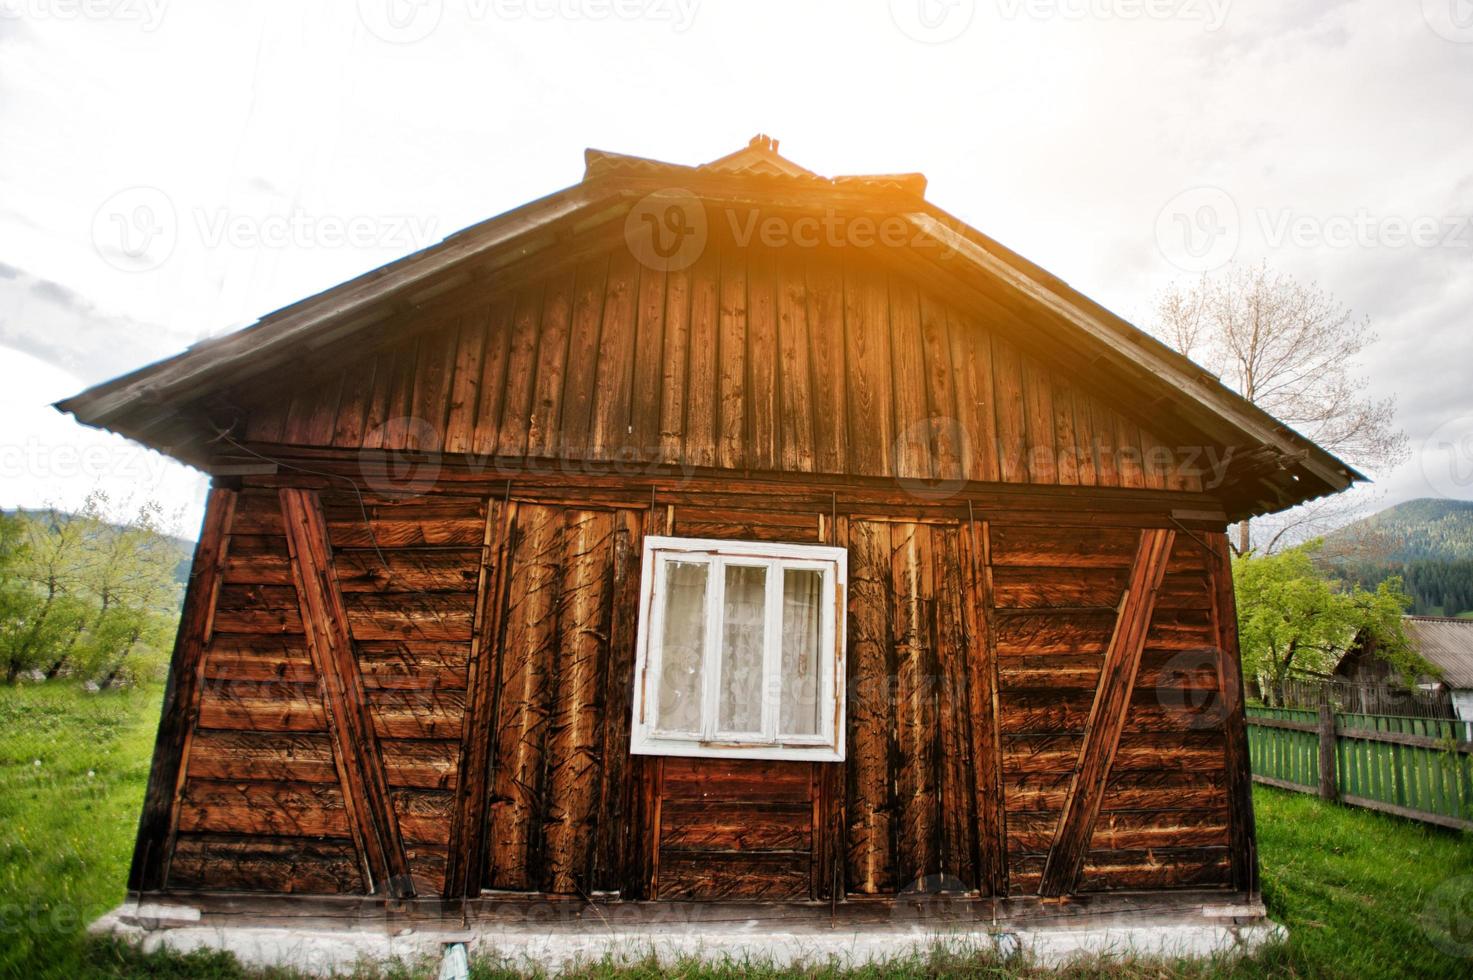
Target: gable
[(180, 405), (752, 359)]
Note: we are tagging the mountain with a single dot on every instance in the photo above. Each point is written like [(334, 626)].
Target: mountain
[(1417, 530), (1428, 542)]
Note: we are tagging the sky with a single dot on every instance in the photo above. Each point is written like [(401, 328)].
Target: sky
[(171, 171)]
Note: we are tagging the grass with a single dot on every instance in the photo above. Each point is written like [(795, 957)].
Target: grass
[(1362, 894)]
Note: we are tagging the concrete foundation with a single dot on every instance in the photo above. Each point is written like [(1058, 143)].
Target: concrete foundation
[(323, 946)]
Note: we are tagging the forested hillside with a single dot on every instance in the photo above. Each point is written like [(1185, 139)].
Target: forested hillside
[(1429, 543)]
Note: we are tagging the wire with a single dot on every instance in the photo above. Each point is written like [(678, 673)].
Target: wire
[(224, 434)]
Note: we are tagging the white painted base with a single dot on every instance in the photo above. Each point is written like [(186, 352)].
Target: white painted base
[(1214, 931)]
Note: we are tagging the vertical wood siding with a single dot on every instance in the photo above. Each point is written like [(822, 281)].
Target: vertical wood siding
[(757, 360)]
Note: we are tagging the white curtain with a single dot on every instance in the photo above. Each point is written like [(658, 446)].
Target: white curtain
[(802, 593)]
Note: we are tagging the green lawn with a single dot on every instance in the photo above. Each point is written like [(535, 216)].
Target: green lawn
[(1363, 895)]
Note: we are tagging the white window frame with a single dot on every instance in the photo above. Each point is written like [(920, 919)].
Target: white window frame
[(833, 563)]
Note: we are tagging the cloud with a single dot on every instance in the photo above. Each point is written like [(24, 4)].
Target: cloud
[(62, 327), (48, 458)]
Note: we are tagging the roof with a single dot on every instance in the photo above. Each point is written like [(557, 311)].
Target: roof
[(1273, 467), (1447, 644)]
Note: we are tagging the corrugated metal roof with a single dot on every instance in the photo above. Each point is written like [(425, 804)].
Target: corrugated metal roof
[(1447, 643)]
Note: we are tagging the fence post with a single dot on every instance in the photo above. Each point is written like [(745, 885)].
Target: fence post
[(1327, 749)]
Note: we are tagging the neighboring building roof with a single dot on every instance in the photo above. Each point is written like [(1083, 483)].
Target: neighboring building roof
[(1272, 466), (1447, 644)]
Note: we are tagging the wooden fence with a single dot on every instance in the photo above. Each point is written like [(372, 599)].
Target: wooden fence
[(1421, 768)]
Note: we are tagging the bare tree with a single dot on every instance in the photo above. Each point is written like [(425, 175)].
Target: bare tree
[(1288, 347)]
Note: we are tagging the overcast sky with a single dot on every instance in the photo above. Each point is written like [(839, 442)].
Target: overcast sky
[(173, 170)]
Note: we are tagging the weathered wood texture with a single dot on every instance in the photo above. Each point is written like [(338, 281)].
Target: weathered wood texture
[(161, 806), (790, 361), (1058, 597), (562, 719), (394, 585), (911, 795), (492, 638)]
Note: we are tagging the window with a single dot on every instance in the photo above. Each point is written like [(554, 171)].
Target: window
[(741, 650)]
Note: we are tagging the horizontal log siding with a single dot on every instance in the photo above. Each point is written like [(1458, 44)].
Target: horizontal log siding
[(933, 599)]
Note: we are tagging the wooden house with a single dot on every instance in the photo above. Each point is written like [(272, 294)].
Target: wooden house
[(723, 533)]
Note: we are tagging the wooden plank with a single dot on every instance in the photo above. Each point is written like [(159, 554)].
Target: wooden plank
[(420, 763), (271, 808), (977, 410), (432, 379), (1052, 631), (517, 405), (956, 711), (494, 322), (1126, 790), (1038, 417), (735, 826), (912, 639), (411, 616), (264, 756), (416, 713), (650, 369), (1104, 428), (544, 426), (870, 399), (732, 406), (465, 386), (825, 292), (733, 875), (764, 444), (703, 392), (262, 707), (674, 365), (574, 732), (1085, 443), (1243, 843), (1107, 716), (1062, 546), (909, 382), (583, 357), (794, 380), (950, 437), (981, 658), (1066, 433), (289, 865), (613, 357), (414, 571), (870, 812), (149, 869), (529, 640), (1012, 421), (1033, 587), (329, 641), (734, 780), (617, 826)]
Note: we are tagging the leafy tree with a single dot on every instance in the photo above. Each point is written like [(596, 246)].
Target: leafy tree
[(84, 596), (1294, 621)]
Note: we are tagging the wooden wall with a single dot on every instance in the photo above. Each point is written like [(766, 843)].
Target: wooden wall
[(757, 360), (430, 696)]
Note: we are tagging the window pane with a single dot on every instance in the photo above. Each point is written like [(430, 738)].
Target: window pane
[(802, 595), (682, 647), (741, 649)]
